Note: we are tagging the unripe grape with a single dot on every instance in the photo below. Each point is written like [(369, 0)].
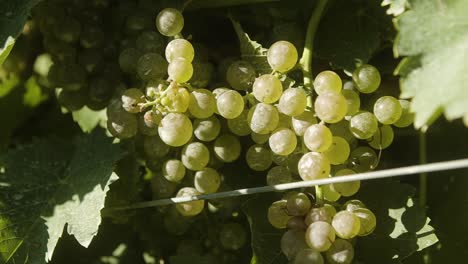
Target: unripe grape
[(282, 56), (318, 138), (169, 22), (327, 82), (313, 166), (267, 88), (363, 125), (320, 236), (189, 208), (331, 107), (175, 129), (180, 70), (387, 110), (293, 102), (367, 78), (179, 48), (346, 224)]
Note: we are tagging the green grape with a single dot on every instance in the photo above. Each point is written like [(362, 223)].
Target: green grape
[(320, 236), (353, 101), (148, 123), (72, 100), (258, 158), (195, 156), (363, 159), (162, 188), (202, 103), (189, 208), (206, 129), (282, 56), (278, 175), (154, 147), (363, 125), (293, 102), (68, 31), (382, 138), (263, 118), (131, 100), (120, 123), (367, 78), (298, 204), (280, 159), (179, 48), (331, 107), (229, 104), (346, 189), (387, 110), (227, 148), (173, 170), (92, 37), (175, 129), (259, 138), (207, 180), (128, 59), (407, 117), (297, 223), (169, 22), (327, 82), (150, 42), (239, 125), (318, 138), (313, 166), (267, 88), (151, 66), (91, 60), (202, 74), (277, 214), (283, 141), (329, 194), (308, 256), (240, 75), (339, 151), (323, 214), (341, 252), (346, 224), (301, 122), (176, 99), (367, 220), (352, 205), (292, 242), (232, 236)]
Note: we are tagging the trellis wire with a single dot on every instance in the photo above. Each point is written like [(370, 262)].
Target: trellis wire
[(416, 169)]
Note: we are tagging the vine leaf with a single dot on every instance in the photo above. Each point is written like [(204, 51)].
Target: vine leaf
[(48, 185), (88, 119), (437, 33)]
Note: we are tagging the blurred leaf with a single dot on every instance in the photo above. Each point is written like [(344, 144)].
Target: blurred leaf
[(88, 119), (33, 95), (8, 83)]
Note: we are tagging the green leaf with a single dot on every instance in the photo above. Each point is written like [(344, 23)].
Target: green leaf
[(13, 15), (50, 184), (88, 119), (437, 32), (395, 7), (265, 238)]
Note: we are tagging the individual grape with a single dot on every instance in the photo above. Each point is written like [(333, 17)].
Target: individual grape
[(267, 89), (293, 102), (232, 236), (352, 205), (382, 138), (189, 208), (161, 187), (346, 224), (195, 156), (363, 125), (407, 117), (259, 138), (150, 42), (327, 82), (292, 242), (176, 99), (324, 213), (341, 252), (173, 170), (202, 103), (277, 214), (180, 70), (169, 22), (128, 59), (298, 204), (148, 123), (338, 152), (367, 220), (154, 147), (120, 123), (229, 104), (301, 122), (330, 107), (367, 78), (308, 256), (282, 56), (278, 175), (320, 236), (263, 118), (353, 101), (179, 48), (92, 37), (227, 148), (313, 166), (387, 110), (91, 60), (318, 138), (329, 194), (131, 100), (240, 75), (283, 141), (202, 74), (346, 189), (175, 129), (207, 180), (72, 100), (363, 159), (68, 31), (239, 125), (206, 129), (151, 66), (258, 158)]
